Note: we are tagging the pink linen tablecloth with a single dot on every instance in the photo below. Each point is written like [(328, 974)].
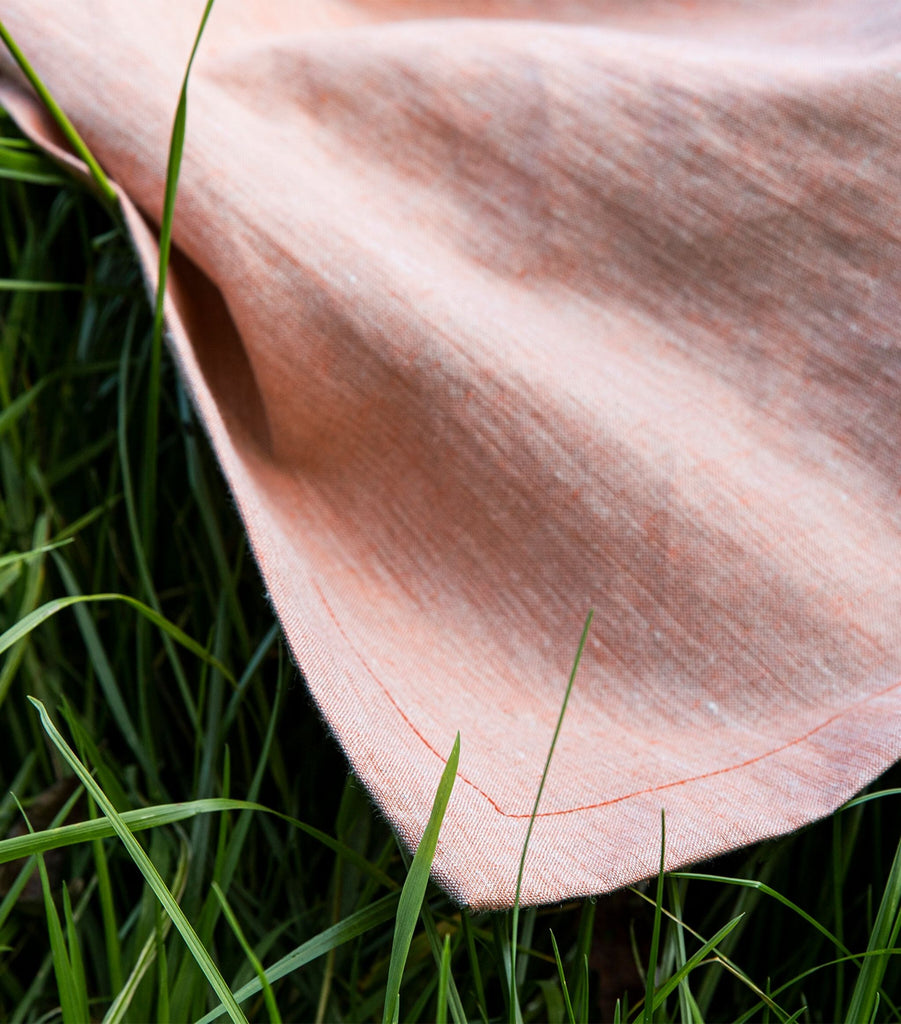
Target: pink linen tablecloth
[(496, 312)]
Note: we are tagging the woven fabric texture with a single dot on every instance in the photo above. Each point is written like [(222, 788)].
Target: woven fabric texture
[(499, 311)]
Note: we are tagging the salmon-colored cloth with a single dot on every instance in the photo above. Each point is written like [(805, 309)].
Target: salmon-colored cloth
[(500, 311)]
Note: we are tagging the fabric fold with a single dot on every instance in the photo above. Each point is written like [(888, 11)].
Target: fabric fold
[(499, 312)]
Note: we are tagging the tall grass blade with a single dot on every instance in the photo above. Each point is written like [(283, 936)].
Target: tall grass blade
[(513, 1002), (151, 431), (583, 949), (105, 676), (62, 122), (564, 988), (162, 974), (112, 946), (73, 1006), (31, 168), (136, 541), (865, 997), (46, 611), (651, 979), (268, 996), (413, 892), (71, 988), (443, 979), (676, 979), (554, 1010), (431, 930), (582, 990), (16, 284), (688, 1008), (768, 1004), (138, 820), (350, 928), (751, 883), (149, 951), (868, 797), (146, 867), (76, 964), (15, 557), (474, 965)]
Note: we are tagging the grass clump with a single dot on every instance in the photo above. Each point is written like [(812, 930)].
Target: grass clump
[(150, 714)]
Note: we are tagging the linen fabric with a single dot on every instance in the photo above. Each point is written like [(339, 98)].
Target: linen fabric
[(497, 312)]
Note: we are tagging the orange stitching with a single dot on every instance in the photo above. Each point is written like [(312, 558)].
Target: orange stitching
[(613, 800)]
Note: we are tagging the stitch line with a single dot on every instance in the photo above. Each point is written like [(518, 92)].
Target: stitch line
[(613, 800)]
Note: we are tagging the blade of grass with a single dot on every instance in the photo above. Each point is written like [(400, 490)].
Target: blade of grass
[(105, 675), (570, 1016), (148, 953), (651, 978), (18, 847), (688, 1008), (31, 621), (583, 949), (151, 426), (752, 1013), (513, 1002), (15, 284), (867, 797), (673, 982), (162, 973), (268, 995), (865, 997), (524, 941), (73, 1001), (15, 557), (247, 676), (71, 995), (357, 924), (76, 964), (31, 168), (34, 583), (750, 883), (474, 965), (443, 979), (151, 875), (413, 892), (555, 1011), (62, 122), (138, 544), (107, 911), (721, 958), (431, 930), (140, 819), (582, 990)]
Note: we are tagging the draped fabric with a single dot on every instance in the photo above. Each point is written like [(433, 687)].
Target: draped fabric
[(497, 312)]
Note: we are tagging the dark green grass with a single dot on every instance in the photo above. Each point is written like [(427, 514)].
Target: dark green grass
[(191, 696)]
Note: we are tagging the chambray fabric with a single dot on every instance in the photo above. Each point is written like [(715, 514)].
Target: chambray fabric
[(497, 312)]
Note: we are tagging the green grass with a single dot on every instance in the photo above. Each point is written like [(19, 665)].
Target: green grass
[(140, 877)]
